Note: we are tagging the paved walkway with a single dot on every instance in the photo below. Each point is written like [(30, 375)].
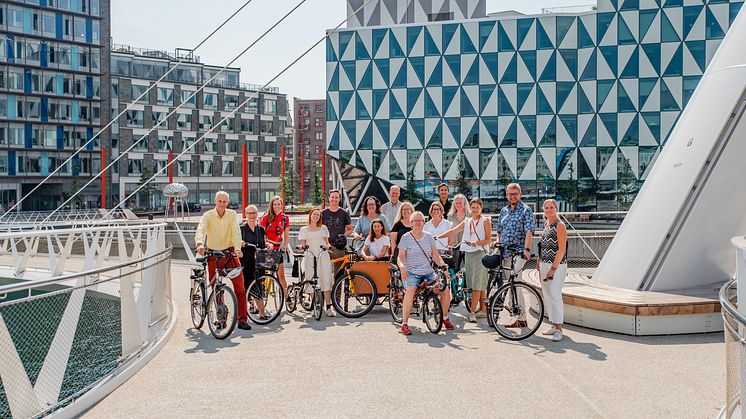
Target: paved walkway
[(349, 368)]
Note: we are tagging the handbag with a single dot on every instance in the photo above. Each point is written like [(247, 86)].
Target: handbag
[(296, 269)]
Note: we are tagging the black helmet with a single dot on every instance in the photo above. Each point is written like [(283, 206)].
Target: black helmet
[(491, 261), (340, 242)]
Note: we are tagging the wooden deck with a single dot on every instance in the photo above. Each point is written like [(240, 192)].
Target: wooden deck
[(627, 311)]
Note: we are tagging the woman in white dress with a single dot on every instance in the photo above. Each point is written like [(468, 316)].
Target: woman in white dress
[(316, 236)]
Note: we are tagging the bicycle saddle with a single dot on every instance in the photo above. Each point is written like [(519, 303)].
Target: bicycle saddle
[(201, 259), (234, 272)]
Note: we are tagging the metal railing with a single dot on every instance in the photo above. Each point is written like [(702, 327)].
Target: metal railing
[(33, 217), (735, 350), (65, 337), (582, 8)]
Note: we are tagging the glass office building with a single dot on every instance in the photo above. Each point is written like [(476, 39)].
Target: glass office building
[(53, 64), (572, 105)]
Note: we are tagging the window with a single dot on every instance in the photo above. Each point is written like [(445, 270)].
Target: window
[(231, 146), (95, 7), (247, 126), (184, 168), (305, 123), (205, 122), (189, 102), (187, 144), (49, 83), (96, 32), (165, 96), (15, 18), (134, 166), (3, 164), (270, 148), (140, 142), (319, 135), (266, 168), (210, 100), (165, 143), (159, 118), (32, 108), (95, 60), (33, 53), (50, 137), (15, 135), (210, 145), (15, 79), (228, 168), (134, 118), (270, 106), (205, 167), (439, 17), (319, 122), (319, 108), (63, 55), (48, 24), (227, 125), (137, 91), (267, 127), (159, 165), (253, 105), (252, 146), (184, 121), (79, 29), (231, 102)]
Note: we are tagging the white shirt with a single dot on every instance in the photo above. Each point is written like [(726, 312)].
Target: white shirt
[(445, 225), (473, 231), (375, 248), (389, 210)]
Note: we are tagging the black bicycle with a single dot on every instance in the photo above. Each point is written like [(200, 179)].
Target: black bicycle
[(426, 302), (220, 307), (265, 296), (515, 310), (296, 292)]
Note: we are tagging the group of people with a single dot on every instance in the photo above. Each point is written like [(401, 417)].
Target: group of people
[(396, 231)]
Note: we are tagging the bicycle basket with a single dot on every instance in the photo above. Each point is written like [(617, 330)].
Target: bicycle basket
[(266, 260)]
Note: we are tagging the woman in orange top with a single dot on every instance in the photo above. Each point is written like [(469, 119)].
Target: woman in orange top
[(277, 232)]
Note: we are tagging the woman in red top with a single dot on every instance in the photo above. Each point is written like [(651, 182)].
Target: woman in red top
[(277, 232)]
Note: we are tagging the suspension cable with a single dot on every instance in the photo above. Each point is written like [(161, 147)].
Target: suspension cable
[(231, 113), (82, 148)]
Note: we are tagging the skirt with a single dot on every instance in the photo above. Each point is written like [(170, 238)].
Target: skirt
[(475, 274)]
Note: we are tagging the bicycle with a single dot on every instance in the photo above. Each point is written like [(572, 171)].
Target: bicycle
[(515, 310), (220, 307), (264, 294), (426, 301), (457, 281), (296, 294), (354, 293)]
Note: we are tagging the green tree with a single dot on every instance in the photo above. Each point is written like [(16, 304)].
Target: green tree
[(626, 186), (412, 195), (462, 183), (75, 193), (318, 194), (148, 188), (568, 188)]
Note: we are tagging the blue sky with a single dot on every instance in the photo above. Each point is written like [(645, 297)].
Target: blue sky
[(161, 24)]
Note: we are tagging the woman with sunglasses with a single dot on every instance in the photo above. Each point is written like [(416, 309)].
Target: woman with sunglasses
[(277, 227), (252, 233)]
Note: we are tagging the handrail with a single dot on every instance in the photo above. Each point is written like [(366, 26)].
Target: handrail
[(55, 280), (104, 227), (730, 309)]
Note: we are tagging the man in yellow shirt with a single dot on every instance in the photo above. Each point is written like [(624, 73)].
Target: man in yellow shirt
[(220, 228)]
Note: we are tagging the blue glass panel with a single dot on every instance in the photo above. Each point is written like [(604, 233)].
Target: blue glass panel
[(334, 81), (589, 73), (646, 19), (413, 32), (630, 5), (436, 77), (27, 80), (44, 163), (418, 127), (89, 135), (668, 33), (549, 138), (624, 103), (610, 123), (379, 96), (413, 95), (377, 37), (550, 71), (603, 21), (570, 57), (691, 13), (524, 90), (28, 136), (383, 126), (584, 104), (503, 104), (75, 111), (511, 71), (448, 31), (676, 65), (564, 23), (360, 110), (383, 68), (570, 123), (12, 107), (713, 30), (689, 84), (467, 108), (611, 57), (395, 50), (511, 135), (43, 54), (734, 8), (11, 163), (653, 53), (472, 138), (361, 53), (366, 82), (590, 136), (349, 69), (584, 38), (366, 140), (60, 137), (26, 20), (44, 109), (668, 102), (436, 138), (653, 122), (395, 110), (542, 104), (485, 93), (74, 57), (490, 61), (418, 64), (330, 54), (542, 39), (334, 140), (330, 114), (698, 49), (430, 47), (485, 29), (673, 3), (563, 92), (454, 63), (58, 26), (454, 126), (344, 102), (624, 34), (472, 76), (467, 46), (529, 59), (449, 92), (603, 87), (431, 110), (632, 136), (490, 123), (400, 140), (646, 87), (503, 40), (88, 30), (632, 69), (400, 81), (529, 124), (350, 129), (523, 26)]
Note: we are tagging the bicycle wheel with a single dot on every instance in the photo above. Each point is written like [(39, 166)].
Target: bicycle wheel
[(317, 304), (266, 292), (197, 300), (516, 315), (306, 298), (292, 299), (221, 312), (396, 300), (432, 313), (354, 296)]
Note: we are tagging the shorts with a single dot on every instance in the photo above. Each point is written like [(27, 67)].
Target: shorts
[(414, 281)]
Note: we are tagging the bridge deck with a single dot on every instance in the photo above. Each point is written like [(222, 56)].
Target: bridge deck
[(343, 367)]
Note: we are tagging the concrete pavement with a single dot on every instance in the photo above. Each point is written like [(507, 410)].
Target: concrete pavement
[(340, 367)]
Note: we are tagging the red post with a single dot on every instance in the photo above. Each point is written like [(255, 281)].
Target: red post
[(323, 177), (301, 174), (244, 179), (282, 171), (103, 178), (170, 176)]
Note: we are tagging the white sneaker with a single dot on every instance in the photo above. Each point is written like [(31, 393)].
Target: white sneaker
[(549, 332), (481, 315), (330, 312), (557, 336), (472, 318)]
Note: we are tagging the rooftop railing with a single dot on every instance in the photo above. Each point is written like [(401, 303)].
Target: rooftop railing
[(734, 319), (570, 9)]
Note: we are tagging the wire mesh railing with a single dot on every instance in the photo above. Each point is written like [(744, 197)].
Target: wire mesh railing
[(735, 351), (61, 337)]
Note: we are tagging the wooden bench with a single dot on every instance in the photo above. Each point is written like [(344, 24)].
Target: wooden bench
[(621, 310)]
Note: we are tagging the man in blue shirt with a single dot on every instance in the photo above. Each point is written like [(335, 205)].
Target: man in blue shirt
[(516, 228)]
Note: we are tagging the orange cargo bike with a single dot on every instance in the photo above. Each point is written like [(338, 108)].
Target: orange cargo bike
[(359, 284)]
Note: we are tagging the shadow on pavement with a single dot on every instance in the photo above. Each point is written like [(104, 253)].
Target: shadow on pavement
[(206, 343)]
